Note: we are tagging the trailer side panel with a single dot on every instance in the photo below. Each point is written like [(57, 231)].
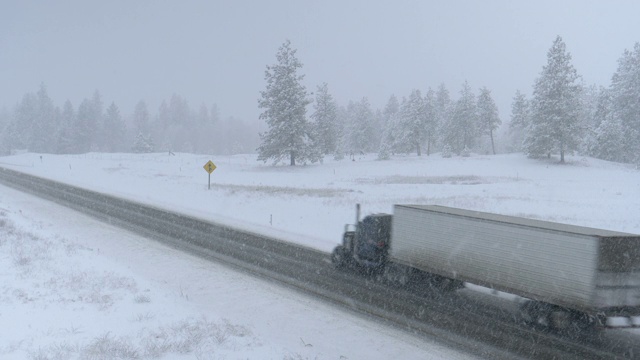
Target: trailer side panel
[(544, 264)]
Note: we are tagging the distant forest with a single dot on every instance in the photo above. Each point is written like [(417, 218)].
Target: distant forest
[(562, 116), (37, 124)]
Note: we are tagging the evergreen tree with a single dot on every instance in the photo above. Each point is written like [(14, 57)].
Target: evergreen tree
[(462, 131), (325, 116), (66, 135), (443, 111), (609, 140), (389, 124), (604, 138), (141, 118), (87, 125), (5, 120), (520, 118), (96, 120), (179, 112), (113, 129), (204, 118), (625, 94), (555, 107), (377, 129), (202, 129), (431, 119), (488, 115), (214, 114), (44, 124), (84, 131), (412, 126), (284, 102), (163, 119), (25, 116), (361, 136), (143, 144), (35, 121), (181, 129), (143, 140)]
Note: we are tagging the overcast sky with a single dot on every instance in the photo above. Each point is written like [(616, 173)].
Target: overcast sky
[(217, 51)]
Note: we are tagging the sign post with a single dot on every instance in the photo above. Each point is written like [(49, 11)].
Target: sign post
[(209, 167)]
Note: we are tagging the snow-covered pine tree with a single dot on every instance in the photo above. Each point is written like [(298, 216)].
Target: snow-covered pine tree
[(24, 117), (5, 120), (203, 118), (113, 129), (284, 102), (412, 129), (361, 136), (377, 129), (163, 118), (143, 140), (180, 127), (446, 151), (444, 111), (555, 106), (488, 115), (34, 121), (520, 118), (84, 128), (589, 98), (609, 140), (65, 135), (462, 131), (97, 112), (604, 135), (179, 112), (325, 117), (389, 123), (44, 123), (431, 119), (625, 93), (141, 118), (143, 144)]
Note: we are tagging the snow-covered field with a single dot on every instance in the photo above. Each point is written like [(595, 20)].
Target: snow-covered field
[(73, 287)]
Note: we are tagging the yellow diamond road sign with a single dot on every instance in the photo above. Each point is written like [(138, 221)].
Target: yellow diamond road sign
[(209, 167)]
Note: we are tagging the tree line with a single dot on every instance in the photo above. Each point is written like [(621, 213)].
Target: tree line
[(563, 116), (417, 123), (36, 124)]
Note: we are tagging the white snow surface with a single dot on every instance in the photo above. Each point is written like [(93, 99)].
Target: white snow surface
[(74, 287)]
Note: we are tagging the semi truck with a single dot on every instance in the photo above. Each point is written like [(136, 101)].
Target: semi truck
[(570, 276)]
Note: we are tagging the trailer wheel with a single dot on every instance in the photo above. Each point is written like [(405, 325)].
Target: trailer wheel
[(339, 256), (588, 322), (560, 319)]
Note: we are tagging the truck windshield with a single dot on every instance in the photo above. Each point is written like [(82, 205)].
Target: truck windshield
[(377, 228)]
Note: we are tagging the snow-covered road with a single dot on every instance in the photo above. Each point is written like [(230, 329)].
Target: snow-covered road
[(73, 287)]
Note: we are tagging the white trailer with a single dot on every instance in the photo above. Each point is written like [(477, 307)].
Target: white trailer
[(579, 268)]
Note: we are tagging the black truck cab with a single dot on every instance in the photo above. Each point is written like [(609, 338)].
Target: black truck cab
[(367, 245)]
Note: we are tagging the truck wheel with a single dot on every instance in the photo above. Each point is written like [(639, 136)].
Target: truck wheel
[(339, 257), (397, 274), (526, 312)]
